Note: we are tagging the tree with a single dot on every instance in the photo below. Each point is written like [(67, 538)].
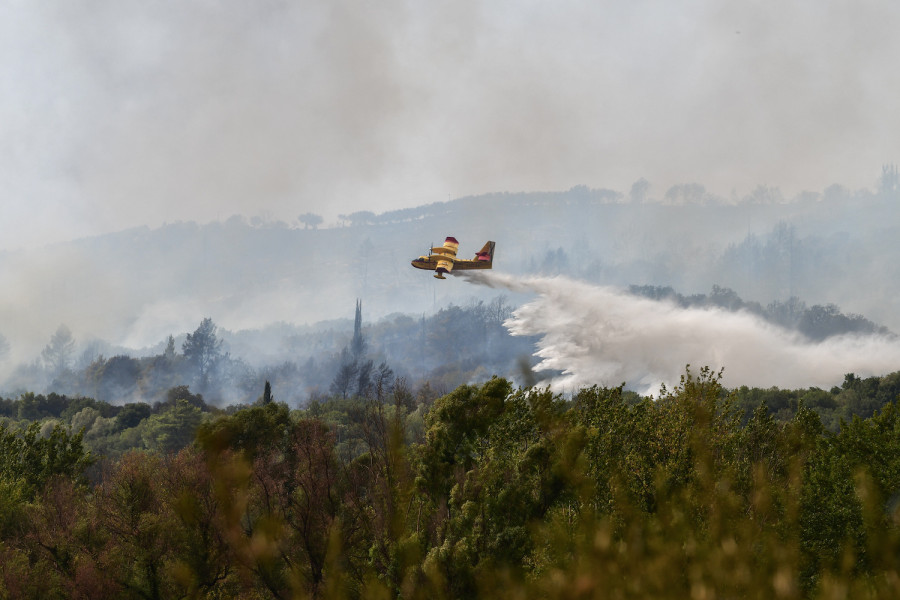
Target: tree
[(58, 352), (284, 526), (310, 220), (35, 459), (364, 377), (354, 370), (345, 377), (132, 414), (118, 379), (131, 504), (686, 193), (203, 350), (173, 429), (169, 352), (358, 344), (639, 191), (498, 311), (362, 217), (788, 313), (764, 194), (183, 392), (34, 407)]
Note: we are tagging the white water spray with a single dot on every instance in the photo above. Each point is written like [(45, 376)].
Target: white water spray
[(602, 335)]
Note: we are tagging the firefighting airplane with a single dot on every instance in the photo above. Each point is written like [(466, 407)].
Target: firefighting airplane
[(443, 259)]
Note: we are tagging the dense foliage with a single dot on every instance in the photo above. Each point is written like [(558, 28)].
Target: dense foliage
[(485, 491)]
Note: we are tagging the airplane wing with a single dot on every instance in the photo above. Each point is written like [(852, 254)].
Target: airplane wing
[(446, 257)]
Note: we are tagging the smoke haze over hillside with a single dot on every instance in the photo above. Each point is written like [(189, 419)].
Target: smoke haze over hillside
[(601, 335), (122, 113), (135, 287), (138, 129)]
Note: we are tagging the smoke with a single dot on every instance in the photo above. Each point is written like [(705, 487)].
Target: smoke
[(601, 335), (118, 113)]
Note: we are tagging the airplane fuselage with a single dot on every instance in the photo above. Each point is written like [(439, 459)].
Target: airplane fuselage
[(427, 263), (442, 259)]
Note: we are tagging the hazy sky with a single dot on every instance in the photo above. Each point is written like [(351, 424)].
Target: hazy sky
[(115, 113)]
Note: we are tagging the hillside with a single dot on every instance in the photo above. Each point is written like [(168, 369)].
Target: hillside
[(485, 491), (133, 288)]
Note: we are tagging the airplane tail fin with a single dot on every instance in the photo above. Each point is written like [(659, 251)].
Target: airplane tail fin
[(486, 253)]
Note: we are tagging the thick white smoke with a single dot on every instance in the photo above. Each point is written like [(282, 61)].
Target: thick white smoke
[(602, 335)]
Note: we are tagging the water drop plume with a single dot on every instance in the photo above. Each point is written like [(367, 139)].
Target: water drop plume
[(602, 335)]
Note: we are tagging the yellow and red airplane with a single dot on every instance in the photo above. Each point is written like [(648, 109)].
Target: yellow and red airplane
[(442, 259)]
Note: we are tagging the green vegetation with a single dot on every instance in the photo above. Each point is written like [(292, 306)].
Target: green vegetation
[(487, 491)]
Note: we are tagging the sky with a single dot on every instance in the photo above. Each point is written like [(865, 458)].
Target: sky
[(120, 113)]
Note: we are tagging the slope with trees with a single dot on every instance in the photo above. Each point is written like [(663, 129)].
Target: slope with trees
[(503, 492), (821, 246)]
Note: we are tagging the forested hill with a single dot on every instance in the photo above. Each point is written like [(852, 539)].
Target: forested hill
[(487, 491), (457, 344), (135, 287), (350, 462)]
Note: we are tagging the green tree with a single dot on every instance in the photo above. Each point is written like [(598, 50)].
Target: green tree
[(132, 414), (37, 406), (202, 558), (172, 429), (135, 518), (258, 429), (84, 419), (28, 457), (456, 428), (182, 392), (295, 494), (203, 350)]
